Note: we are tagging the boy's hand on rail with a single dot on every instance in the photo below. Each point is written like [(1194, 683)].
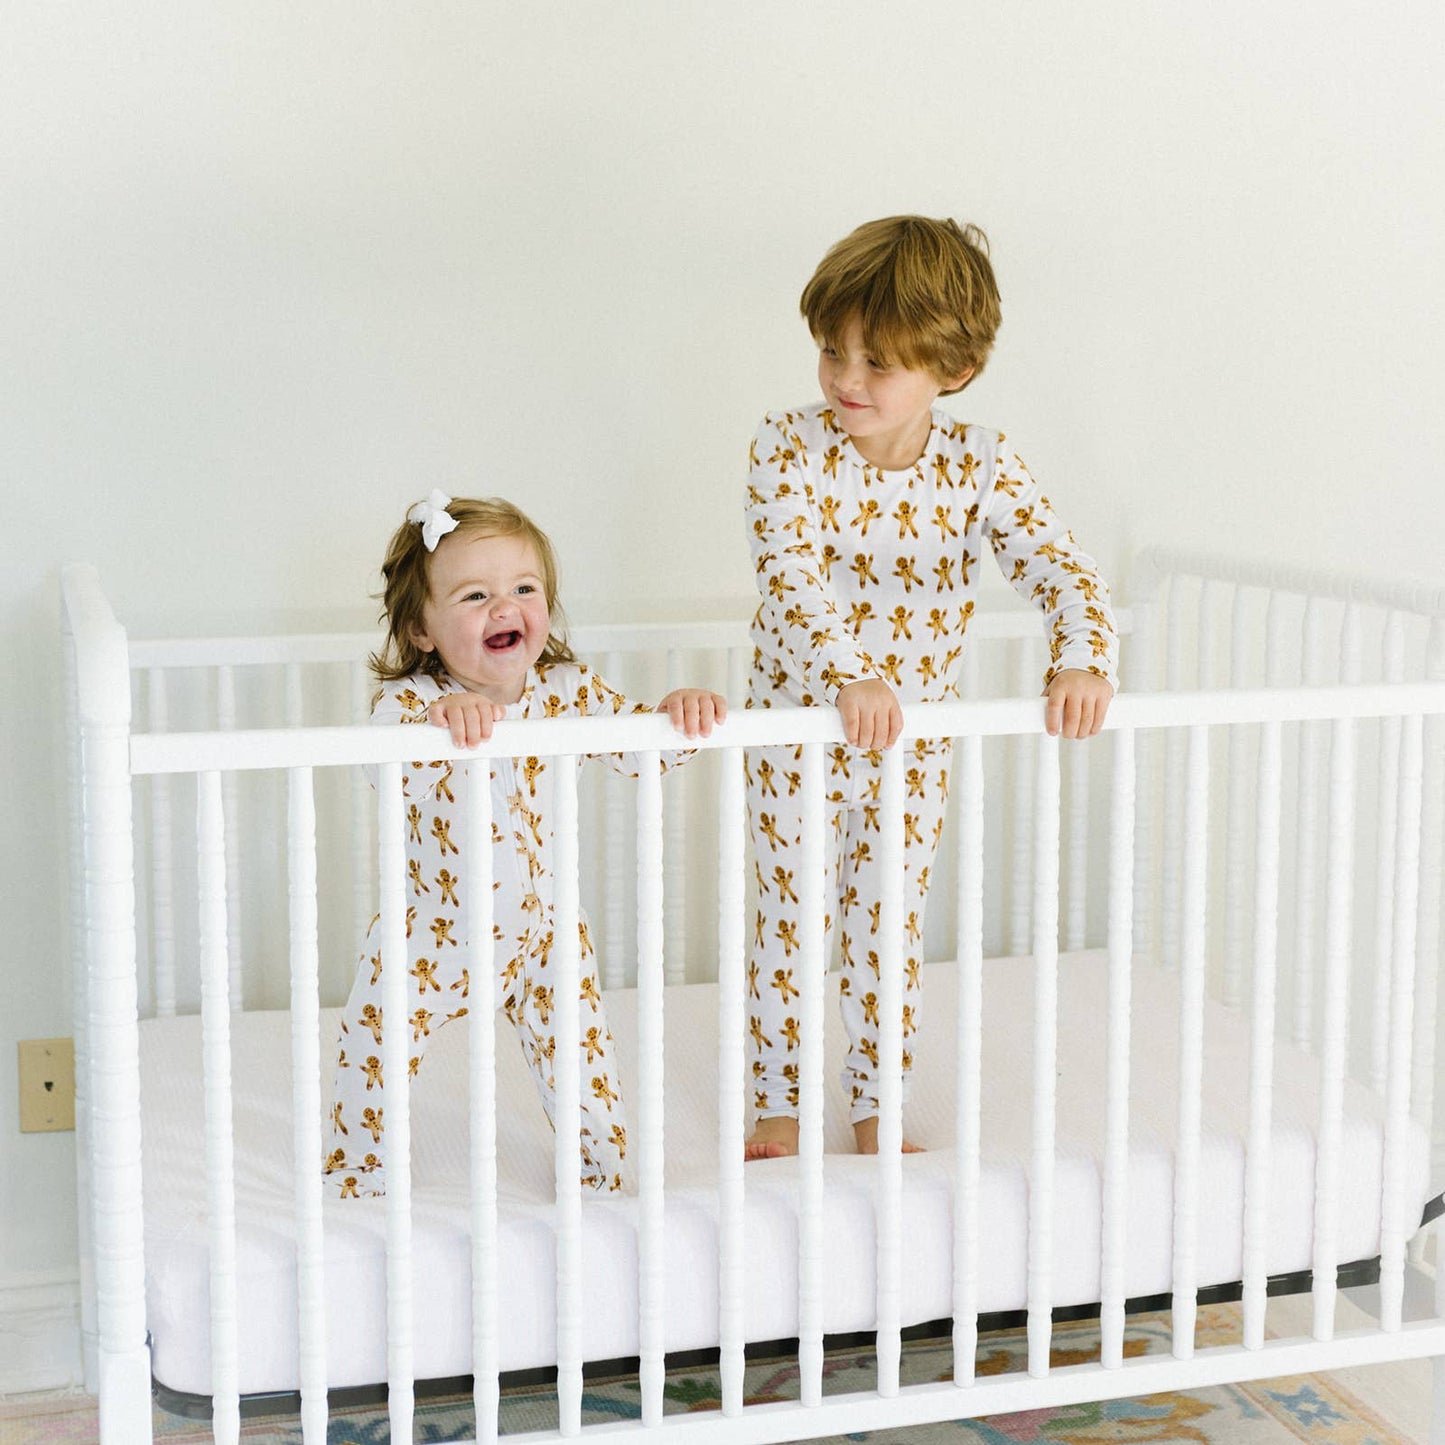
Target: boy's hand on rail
[(872, 717), (469, 716), (1077, 703), (694, 711)]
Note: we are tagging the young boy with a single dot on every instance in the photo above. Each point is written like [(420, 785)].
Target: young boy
[(868, 514)]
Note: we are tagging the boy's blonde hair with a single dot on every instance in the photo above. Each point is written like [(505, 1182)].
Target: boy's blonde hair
[(406, 585), (922, 290)]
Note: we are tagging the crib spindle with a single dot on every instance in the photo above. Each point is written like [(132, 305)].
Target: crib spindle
[(811, 971), (226, 720), (1113, 1234), (294, 696), (1076, 909), (651, 1242), (731, 1085), (1025, 760), (614, 947), (306, 1101), (391, 860), (482, 1088), (1334, 1022), (1185, 1296), (363, 805), (1237, 863), (1146, 825), (969, 917), (1258, 1146), (891, 926), (1306, 841), (1174, 841), (1206, 633), (1046, 1050), (1388, 806), (566, 1070), (216, 1055), (676, 812), (163, 875), (1396, 1226), (1432, 877)]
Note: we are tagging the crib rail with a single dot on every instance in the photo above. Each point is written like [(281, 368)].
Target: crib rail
[(1400, 720)]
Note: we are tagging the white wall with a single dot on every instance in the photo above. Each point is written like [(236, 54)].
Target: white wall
[(269, 272)]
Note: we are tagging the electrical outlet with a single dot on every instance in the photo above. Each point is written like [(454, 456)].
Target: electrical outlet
[(47, 1085)]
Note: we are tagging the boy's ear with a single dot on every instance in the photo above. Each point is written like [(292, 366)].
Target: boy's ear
[(957, 383)]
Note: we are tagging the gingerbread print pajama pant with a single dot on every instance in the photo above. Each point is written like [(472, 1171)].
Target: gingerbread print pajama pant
[(853, 893), (439, 991)]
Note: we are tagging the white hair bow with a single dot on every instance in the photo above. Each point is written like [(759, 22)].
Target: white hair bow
[(433, 518)]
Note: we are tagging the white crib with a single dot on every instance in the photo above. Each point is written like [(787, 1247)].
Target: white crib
[(1221, 1070)]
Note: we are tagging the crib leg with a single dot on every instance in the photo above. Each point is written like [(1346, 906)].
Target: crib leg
[(1437, 1364), (125, 1396), (1437, 1400)]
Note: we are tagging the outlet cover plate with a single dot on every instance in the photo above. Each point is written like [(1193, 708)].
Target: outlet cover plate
[(47, 1085)]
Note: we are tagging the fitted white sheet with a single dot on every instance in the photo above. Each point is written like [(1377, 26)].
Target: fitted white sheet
[(174, 1173)]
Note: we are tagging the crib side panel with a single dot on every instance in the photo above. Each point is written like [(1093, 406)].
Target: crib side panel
[(1261, 816)]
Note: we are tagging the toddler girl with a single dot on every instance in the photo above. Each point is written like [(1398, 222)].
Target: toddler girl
[(470, 596)]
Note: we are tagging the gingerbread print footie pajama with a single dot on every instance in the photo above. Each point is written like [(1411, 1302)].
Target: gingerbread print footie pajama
[(438, 987), (870, 573)]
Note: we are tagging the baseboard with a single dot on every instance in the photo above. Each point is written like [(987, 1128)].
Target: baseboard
[(40, 1334)]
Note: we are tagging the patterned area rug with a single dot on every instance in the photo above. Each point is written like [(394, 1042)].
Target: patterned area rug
[(1269, 1412)]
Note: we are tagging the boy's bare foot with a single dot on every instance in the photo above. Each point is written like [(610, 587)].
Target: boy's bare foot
[(865, 1132), (772, 1138)]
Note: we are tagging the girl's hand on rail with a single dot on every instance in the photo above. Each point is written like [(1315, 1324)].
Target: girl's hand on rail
[(1077, 703), (468, 715), (872, 717), (694, 711)]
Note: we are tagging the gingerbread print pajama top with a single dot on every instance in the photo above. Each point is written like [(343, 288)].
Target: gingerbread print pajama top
[(439, 989), (866, 572)]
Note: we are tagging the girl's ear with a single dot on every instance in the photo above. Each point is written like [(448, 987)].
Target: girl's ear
[(421, 640)]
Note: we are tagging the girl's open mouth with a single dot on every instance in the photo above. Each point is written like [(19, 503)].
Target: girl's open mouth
[(502, 641)]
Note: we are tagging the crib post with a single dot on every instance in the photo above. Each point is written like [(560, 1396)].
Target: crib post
[(1432, 886), (79, 1008), (1396, 1225), (111, 1072)]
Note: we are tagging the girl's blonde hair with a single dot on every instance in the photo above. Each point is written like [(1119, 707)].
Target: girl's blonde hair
[(922, 290), (406, 585)]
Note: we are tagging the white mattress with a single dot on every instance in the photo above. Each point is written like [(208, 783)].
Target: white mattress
[(174, 1165)]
